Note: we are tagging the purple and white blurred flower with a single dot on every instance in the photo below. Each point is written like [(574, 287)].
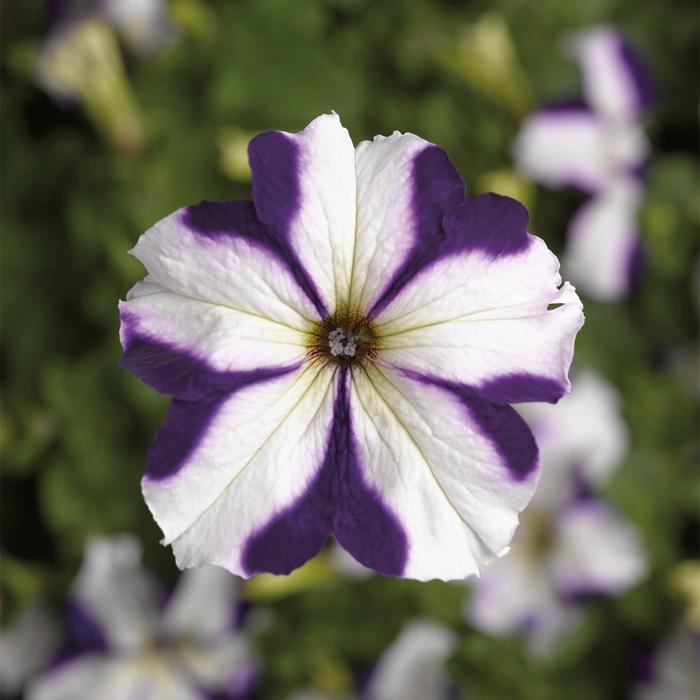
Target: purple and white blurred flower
[(411, 668), (598, 146), (570, 544), (675, 669), (342, 354), (124, 643)]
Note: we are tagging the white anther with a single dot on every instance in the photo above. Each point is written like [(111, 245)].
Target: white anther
[(340, 344)]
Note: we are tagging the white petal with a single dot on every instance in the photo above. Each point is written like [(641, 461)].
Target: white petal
[(257, 455), (117, 591), (614, 82), (565, 146), (304, 187), (213, 252), (404, 184), (226, 339), (150, 676), (26, 646), (423, 449), (476, 320), (202, 606), (413, 667), (597, 551), (584, 431), (676, 671), (602, 240)]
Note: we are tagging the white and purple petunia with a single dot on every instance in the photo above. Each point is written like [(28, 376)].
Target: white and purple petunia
[(341, 355), (125, 640), (571, 544), (598, 146)]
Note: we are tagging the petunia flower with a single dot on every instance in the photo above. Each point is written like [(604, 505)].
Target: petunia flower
[(123, 643), (597, 146), (570, 544), (412, 667), (341, 355)]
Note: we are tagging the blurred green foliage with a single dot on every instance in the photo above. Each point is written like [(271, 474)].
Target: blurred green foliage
[(74, 428)]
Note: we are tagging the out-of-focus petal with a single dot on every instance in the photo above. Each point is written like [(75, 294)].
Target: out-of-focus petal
[(304, 189), (26, 646), (114, 679), (603, 242), (479, 315), (597, 552), (565, 145), (675, 670), (615, 81), (404, 186), (144, 24), (117, 592), (584, 433), (413, 666), (203, 604), (454, 469)]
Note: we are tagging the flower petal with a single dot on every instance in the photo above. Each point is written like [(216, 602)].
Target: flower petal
[(120, 595), (510, 593), (168, 339), (443, 462), (413, 666), (26, 646), (255, 456), (584, 433), (479, 316), (597, 551), (219, 252), (340, 500), (202, 606), (564, 145), (404, 186), (603, 245), (304, 189), (615, 81)]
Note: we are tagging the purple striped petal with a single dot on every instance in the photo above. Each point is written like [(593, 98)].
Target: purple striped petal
[(565, 145), (337, 501), (616, 82), (454, 468), (487, 312), (304, 190), (404, 187)]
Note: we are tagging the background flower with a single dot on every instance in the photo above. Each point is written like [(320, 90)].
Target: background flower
[(571, 544), (599, 147), (122, 637)]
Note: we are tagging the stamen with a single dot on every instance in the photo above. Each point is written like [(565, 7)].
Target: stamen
[(340, 344)]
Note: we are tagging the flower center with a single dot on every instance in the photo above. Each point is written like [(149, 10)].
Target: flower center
[(343, 340), (342, 344)]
